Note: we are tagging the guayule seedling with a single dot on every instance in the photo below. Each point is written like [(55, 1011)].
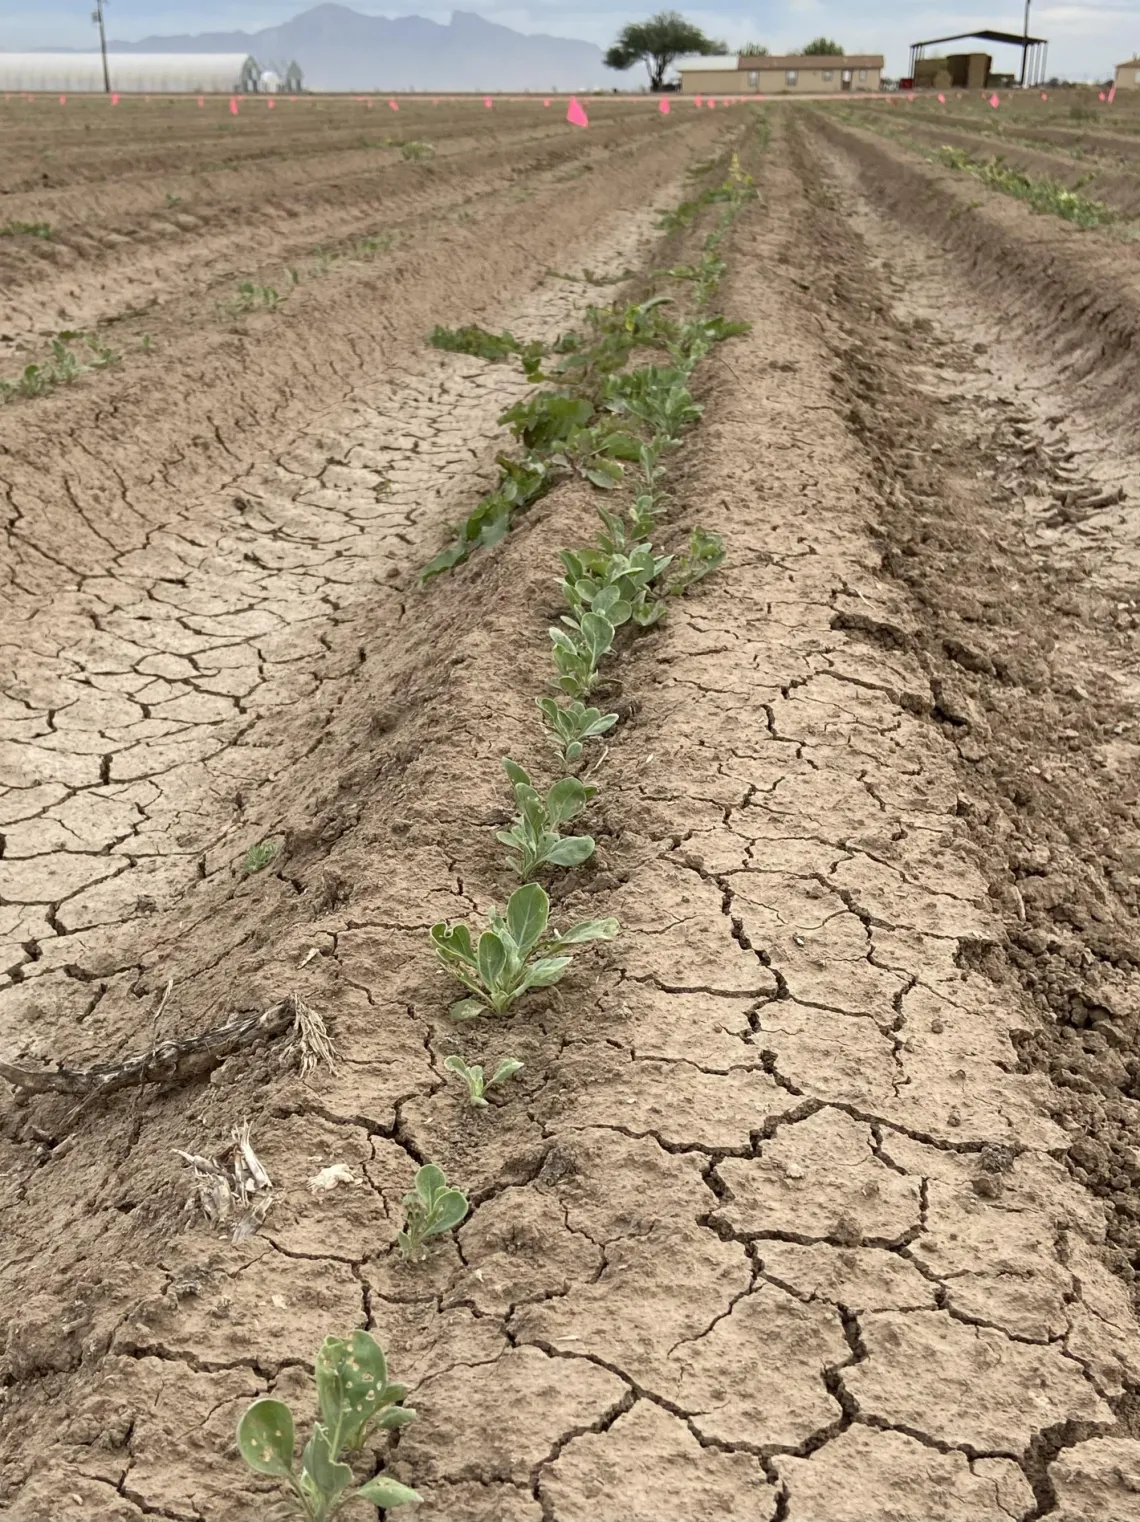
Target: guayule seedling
[(519, 952), (353, 1394), (577, 651), (535, 837), (572, 723), (430, 1209), (473, 1077)]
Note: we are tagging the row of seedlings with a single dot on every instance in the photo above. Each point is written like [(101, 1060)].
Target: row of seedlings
[(601, 422)]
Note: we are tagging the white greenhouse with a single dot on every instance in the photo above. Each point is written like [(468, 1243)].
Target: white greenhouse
[(154, 73)]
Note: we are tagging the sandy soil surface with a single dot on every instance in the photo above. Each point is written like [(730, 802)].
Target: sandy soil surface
[(816, 1197)]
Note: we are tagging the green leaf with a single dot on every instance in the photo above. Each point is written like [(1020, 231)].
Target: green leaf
[(565, 799), (387, 1493), (454, 941), (265, 1437), (467, 1009), (598, 633), (396, 1417), (515, 772), (545, 971), (328, 1475), (604, 474), (430, 1180), (528, 910), (573, 752), (506, 1069), (448, 1209), (588, 930), (571, 851), (492, 960)]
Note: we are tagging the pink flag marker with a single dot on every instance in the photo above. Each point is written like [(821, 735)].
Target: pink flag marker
[(114, 100), (201, 102), (63, 100), (994, 102), (1044, 95), (575, 114), (392, 106), (942, 100), (1101, 95), (233, 105), (546, 103), (269, 103), (487, 101), (663, 107), (712, 103), (1112, 93), (696, 100)]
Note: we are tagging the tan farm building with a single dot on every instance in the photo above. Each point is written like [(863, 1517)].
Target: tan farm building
[(1128, 74), (769, 74)]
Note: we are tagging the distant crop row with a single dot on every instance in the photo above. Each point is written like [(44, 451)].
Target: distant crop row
[(611, 423)]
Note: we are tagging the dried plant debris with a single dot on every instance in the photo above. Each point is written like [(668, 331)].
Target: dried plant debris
[(233, 1190)]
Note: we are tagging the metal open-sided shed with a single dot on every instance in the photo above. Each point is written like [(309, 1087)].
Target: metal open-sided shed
[(1034, 51)]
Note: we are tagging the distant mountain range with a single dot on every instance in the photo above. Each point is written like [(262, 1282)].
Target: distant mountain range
[(339, 49)]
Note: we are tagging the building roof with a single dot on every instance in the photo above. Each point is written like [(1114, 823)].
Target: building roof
[(1015, 39), (1130, 63), (811, 61), (725, 63)]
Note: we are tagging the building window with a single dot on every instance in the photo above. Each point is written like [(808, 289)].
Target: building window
[(790, 77), (753, 78), (827, 73), (862, 76)]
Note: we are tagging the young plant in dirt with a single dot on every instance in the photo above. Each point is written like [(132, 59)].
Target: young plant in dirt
[(704, 553), (520, 951), (430, 1208), (570, 724), (615, 585), (353, 1394), (472, 1076), (521, 482), (656, 396), (258, 857), (577, 650), (252, 297), (535, 837), (495, 347)]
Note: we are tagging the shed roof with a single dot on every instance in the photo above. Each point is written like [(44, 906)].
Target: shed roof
[(719, 63), (811, 61)]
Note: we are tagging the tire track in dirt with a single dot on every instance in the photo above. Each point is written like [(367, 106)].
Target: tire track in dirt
[(771, 1225)]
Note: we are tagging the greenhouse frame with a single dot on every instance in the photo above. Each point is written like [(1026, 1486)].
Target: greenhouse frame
[(131, 73)]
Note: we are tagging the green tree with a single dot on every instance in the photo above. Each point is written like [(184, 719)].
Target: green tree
[(823, 47), (657, 42), (754, 50)]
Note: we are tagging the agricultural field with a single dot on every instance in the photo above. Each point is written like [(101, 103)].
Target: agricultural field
[(569, 811)]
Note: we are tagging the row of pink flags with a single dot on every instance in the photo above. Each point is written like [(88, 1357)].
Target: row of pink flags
[(576, 112)]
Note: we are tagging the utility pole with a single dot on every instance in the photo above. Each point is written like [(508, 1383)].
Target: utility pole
[(1025, 45), (97, 17)]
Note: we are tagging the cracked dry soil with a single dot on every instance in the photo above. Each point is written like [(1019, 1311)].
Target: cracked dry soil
[(814, 1199)]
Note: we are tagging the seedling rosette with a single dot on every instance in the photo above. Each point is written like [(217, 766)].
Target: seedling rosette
[(430, 1209), (519, 952), (535, 837), (353, 1394)]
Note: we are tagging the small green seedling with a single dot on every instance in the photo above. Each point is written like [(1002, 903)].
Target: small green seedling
[(577, 651), (417, 149), (251, 297), (41, 230), (519, 952), (472, 1076), (353, 1394), (705, 553), (616, 586), (430, 1209), (535, 837), (258, 856), (571, 723)]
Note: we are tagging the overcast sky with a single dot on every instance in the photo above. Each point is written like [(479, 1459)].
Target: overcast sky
[(1087, 37)]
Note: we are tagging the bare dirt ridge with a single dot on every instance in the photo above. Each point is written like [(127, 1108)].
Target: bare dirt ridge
[(787, 1216)]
